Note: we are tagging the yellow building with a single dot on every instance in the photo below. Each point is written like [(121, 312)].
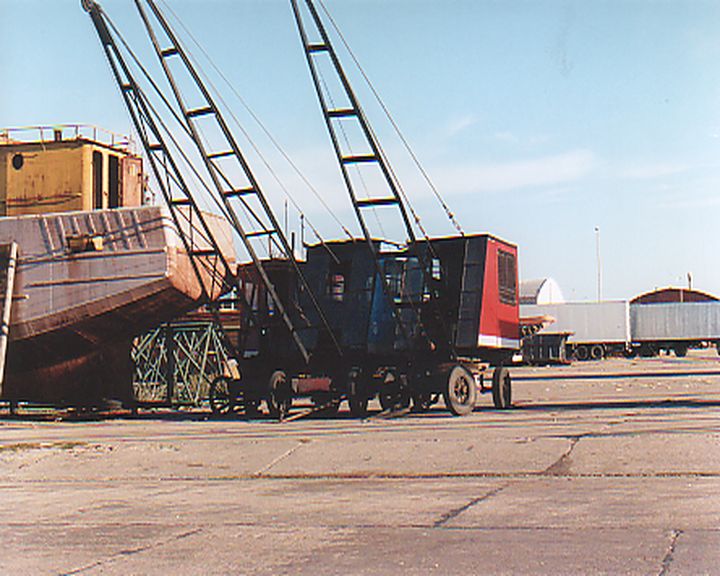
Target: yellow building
[(74, 168)]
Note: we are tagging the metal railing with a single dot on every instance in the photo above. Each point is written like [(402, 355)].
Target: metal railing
[(65, 132)]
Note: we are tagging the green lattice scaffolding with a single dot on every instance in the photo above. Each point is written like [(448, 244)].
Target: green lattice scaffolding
[(176, 363)]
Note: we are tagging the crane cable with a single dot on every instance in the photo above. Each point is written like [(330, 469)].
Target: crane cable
[(265, 130), (406, 144), (346, 138)]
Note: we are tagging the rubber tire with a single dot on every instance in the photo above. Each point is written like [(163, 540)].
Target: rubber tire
[(357, 395), (393, 396), (581, 353), (393, 401), (647, 352), (222, 401), (421, 401), (358, 407), (332, 406), (460, 391), (279, 400), (502, 388), (680, 351), (597, 352)]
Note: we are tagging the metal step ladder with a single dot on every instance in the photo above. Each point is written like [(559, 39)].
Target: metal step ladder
[(349, 113), (8, 263)]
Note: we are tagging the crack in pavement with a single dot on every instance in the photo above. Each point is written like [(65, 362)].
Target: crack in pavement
[(20, 484), (455, 512), (668, 559), (562, 466), (133, 551)]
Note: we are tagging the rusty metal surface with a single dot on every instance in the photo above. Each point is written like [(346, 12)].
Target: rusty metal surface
[(73, 312)]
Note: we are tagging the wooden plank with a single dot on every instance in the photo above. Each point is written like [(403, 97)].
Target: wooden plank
[(8, 261)]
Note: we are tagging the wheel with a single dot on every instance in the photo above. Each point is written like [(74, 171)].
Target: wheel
[(680, 350), (460, 391), (357, 395), (252, 408), (330, 405), (393, 394), (648, 351), (394, 400), (279, 398), (582, 353), (422, 401), (597, 352), (630, 352), (222, 400), (502, 388)]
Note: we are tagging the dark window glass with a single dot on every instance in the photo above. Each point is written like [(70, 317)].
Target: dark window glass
[(507, 277), (97, 180), (114, 182)]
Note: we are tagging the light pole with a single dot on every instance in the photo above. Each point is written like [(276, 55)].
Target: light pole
[(599, 264)]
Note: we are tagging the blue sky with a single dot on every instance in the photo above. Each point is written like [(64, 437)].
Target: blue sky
[(538, 121)]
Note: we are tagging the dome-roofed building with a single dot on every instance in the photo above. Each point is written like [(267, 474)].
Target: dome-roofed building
[(670, 294), (540, 291)]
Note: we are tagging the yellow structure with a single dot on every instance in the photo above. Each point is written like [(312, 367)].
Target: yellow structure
[(77, 168)]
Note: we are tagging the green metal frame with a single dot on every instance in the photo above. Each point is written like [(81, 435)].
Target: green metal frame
[(176, 363)]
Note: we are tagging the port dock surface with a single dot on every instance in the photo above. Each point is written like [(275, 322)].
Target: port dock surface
[(602, 468)]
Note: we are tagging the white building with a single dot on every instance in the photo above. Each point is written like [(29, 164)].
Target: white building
[(540, 291)]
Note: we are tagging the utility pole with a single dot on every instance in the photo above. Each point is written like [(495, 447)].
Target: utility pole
[(599, 263)]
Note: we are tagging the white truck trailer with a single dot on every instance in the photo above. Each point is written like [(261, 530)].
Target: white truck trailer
[(674, 326), (597, 329)]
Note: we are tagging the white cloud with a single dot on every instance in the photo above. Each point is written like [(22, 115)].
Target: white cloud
[(460, 124), (651, 171), (533, 173)]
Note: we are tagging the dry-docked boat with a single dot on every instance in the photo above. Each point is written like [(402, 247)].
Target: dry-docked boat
[(86, 281)]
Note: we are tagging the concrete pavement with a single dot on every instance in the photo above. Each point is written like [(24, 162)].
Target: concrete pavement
[(585, 476)]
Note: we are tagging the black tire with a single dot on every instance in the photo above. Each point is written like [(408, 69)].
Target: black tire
[(597, 352), (422, 401), (222, 399), (358, 407), (460, 391), (358, 398), (502, 388), (630, 352), (648, 351), (394, 400), (680, 350), (252, 408), (394, 395), (279, 400), (581, 353), (329, 404)]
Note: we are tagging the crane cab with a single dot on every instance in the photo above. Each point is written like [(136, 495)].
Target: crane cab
[(67, 168)]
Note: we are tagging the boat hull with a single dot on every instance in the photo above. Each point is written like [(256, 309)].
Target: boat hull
[(75, 313)]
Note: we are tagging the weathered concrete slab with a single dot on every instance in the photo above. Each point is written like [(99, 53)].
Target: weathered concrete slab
[(694, 552), (618, 475), (602, 502)]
